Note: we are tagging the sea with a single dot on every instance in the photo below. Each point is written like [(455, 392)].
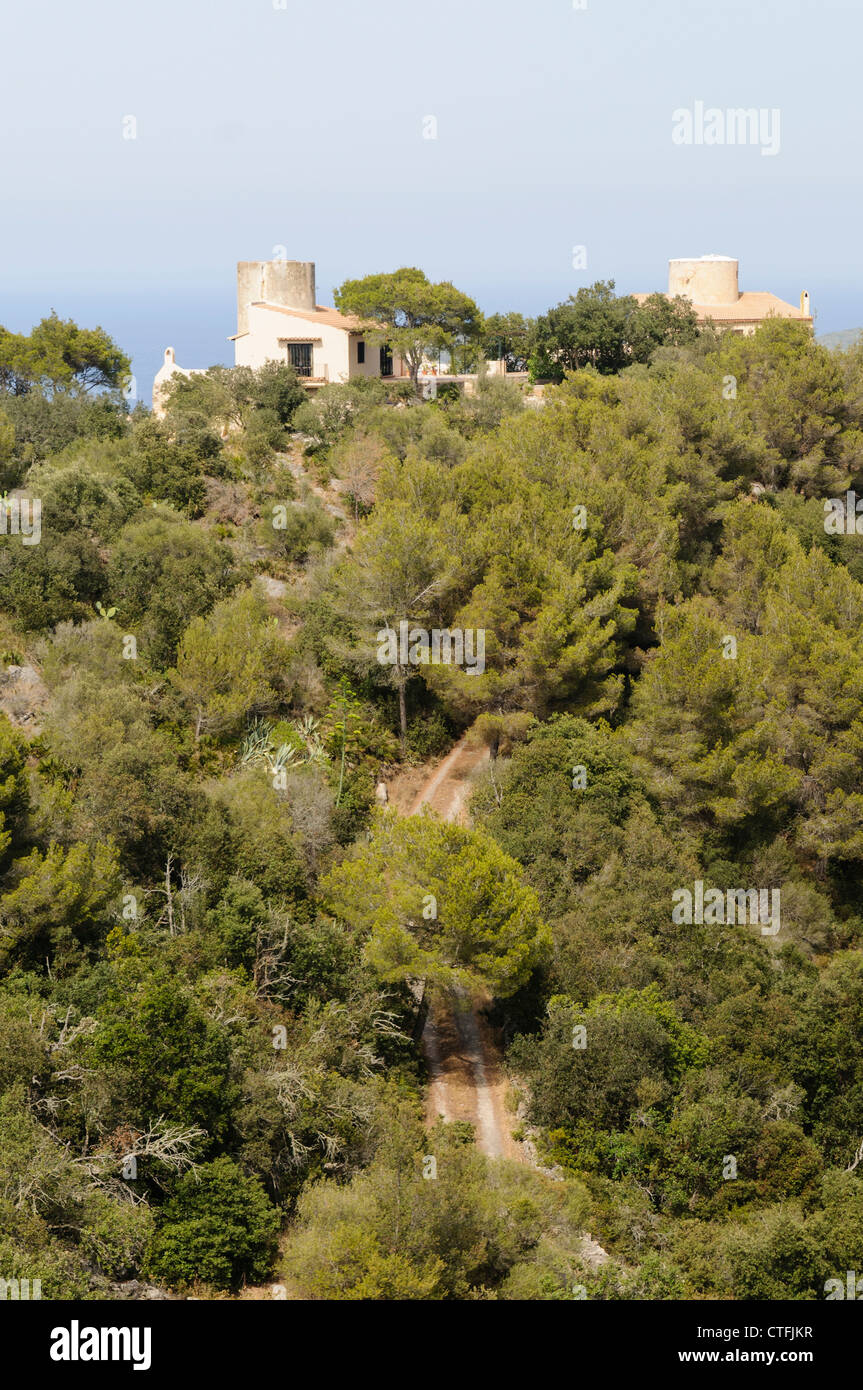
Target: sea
[(196, 323)]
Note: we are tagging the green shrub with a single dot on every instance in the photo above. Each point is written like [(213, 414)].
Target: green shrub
[(219, 1227)]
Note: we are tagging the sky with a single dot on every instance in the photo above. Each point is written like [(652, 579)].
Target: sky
[(149, 148)]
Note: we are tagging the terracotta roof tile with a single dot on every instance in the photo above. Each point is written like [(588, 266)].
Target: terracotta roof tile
[(331, 318), (752, 304), (751, 307)]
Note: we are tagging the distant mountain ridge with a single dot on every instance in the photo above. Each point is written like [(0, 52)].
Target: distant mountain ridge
[(844, 339)]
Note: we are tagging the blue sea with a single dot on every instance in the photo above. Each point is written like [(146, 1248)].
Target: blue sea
[(195, 323)]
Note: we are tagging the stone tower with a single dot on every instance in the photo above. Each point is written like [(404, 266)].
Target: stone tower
[(290, 284), (706, 280)]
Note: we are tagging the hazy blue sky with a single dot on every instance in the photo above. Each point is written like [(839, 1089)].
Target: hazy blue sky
[(302, 127)]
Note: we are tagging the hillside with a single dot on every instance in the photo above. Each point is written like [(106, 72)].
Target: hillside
[(431, 831)]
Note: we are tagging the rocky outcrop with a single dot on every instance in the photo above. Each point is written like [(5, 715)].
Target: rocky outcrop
[(23, 696)]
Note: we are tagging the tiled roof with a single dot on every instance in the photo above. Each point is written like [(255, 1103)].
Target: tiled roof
[(751, 307), (330, 318)]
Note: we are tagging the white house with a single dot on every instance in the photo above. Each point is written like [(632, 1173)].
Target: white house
[(168, 369), (321, 344), (279, 320)]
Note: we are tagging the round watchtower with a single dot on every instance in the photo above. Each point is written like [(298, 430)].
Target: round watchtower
[(291, 284), (704, 280)]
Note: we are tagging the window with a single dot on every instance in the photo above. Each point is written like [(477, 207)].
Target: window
[(300, 358), (386, 361), (361, 352)]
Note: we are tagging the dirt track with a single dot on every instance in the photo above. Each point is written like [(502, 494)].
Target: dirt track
[(467, 1080)]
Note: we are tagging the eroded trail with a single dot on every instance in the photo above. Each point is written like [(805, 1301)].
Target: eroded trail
[(466, 1077)]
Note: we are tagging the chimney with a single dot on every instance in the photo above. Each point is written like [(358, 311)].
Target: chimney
[(804, 303)]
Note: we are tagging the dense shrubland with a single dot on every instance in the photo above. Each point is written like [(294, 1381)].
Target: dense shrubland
[(210, 942)]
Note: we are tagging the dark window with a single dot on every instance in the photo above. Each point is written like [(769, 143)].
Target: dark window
[(386, 361), (300, 358), (361, 352)]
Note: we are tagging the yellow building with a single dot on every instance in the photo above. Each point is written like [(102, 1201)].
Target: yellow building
[(710, 283)]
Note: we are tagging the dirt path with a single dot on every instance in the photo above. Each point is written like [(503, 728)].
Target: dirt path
[(466, 1076), (334, 502), (467, 1080), (444, 790)]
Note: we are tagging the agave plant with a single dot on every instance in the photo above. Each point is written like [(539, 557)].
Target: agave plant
[(258, 746), (285, 756), (258, 742), (307, 728)]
